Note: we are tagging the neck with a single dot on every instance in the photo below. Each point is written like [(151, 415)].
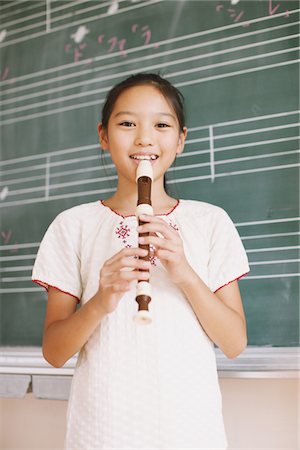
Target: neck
[(124, 200)]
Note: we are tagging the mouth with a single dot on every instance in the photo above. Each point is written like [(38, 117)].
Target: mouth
[(141, 157)]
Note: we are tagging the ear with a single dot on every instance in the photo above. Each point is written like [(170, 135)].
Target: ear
[(103, 139), (181, 141)]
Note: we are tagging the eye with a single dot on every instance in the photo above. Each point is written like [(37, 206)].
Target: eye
[(163, 125), (127, 123)]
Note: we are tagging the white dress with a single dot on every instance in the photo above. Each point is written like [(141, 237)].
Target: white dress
[(143, 386)]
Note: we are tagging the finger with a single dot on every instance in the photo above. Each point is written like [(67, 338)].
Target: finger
[(166, 255), (158, 242), (162, 229), (150, 220), (132, 251), (125, 276), (121, 286), (127, 263)]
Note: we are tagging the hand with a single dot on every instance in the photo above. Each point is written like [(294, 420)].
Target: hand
[(117, 274), (168, 246)]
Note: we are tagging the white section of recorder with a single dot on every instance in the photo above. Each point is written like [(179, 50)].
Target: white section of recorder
[(144, 169), (143, 317), (143, 208), (143, 288)]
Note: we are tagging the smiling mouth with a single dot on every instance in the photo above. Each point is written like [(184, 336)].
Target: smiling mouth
[(144, 157)]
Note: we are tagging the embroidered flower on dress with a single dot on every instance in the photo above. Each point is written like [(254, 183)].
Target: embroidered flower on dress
[(123, 232)]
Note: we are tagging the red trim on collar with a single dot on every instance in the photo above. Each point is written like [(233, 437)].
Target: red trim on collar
[(47, 285), (236, 279), (132, 215)]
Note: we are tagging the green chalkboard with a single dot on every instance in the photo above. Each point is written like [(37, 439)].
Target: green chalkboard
[(236, 64)]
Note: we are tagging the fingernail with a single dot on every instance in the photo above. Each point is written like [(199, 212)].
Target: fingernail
[(141, 240)]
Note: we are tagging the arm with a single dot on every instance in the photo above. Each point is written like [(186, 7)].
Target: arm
[(67, 329), (221, 314)]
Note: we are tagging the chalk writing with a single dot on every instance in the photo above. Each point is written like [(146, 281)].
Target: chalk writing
[(80, 34), (120, 44), (146, 34), (4, 74), (108, 42), (236, 13), (273, 8), (6, 239), (3, 34), (117, 43), (76, 51), (3, 193), (113, 8), (6, 236)]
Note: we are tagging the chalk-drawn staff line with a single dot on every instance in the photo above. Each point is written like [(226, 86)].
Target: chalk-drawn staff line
[(71, 150), (27, 18), (270, 235), (17, 257), (48, 16), (18, 11), (118, 64), (16, 269), (277, 261), (265, 277), (181, 84), (242, 280), (20, 246), (48, 165), (232, 62), (109, 166), (250, 237), (11, 279), (231, 147), (52, 164), (80, 160), (240, 72), (246, 120), (54, 175), (242, 133), (233, 173), (43, 14), (84, 94), (72, 24), (47, 186), (12, 3), (173, 39), (112, 189), (19, 279), (84, 148)]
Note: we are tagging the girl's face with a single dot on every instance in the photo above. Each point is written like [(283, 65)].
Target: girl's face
[(142, 125)]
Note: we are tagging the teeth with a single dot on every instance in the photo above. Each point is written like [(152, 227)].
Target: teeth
[(147, 157)]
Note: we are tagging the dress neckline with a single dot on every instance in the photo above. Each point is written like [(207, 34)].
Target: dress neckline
[(132, 215)]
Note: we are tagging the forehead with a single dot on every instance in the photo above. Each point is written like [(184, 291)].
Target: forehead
[(142, 98)]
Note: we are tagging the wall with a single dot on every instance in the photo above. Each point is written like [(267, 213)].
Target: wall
[(259, 414)]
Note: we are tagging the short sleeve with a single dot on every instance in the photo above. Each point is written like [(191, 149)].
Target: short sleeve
[(58, 259), (227, 259)]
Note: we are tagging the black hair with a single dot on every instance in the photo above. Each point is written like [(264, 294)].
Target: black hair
[(170, 92)]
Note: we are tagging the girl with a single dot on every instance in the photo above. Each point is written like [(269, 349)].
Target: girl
[(153, 386)]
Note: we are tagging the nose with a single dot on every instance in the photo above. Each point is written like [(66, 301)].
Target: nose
[(143, 137)]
